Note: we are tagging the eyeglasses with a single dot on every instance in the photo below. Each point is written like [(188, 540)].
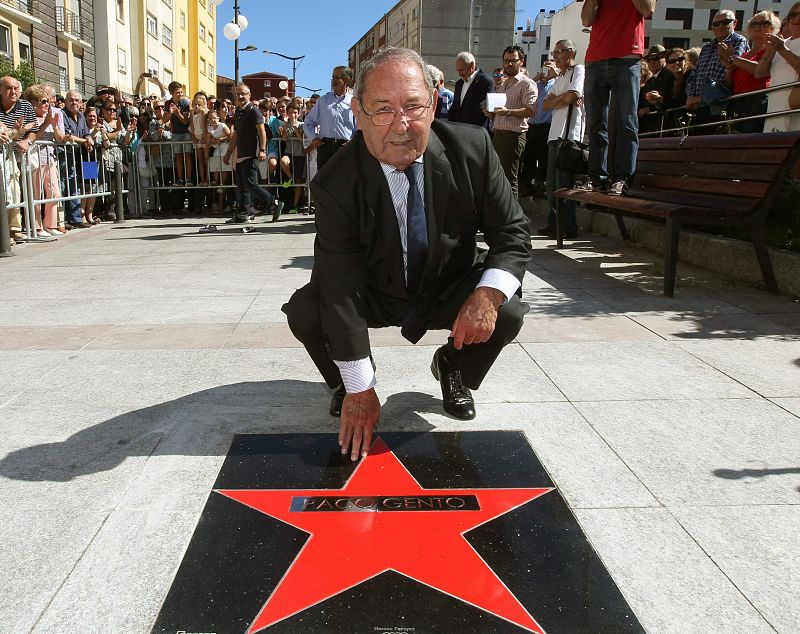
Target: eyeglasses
[(562, 50), (110, 109), (386, 116), (721, 22), (158, 107), (498, 75), (511, 61), (675, 60), (760, 24), (43, 101)]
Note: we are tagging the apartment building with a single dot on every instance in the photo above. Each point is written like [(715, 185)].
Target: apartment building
[(55, 36), (439, 29), (171, 39)]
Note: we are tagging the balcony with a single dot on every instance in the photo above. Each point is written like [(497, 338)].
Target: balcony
[(25, 6), (70, 24)]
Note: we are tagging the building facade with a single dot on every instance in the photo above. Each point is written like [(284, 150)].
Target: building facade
[(173, 40), (55, 36), (440, 29), (265, 84)]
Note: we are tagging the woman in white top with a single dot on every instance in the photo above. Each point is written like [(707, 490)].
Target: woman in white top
[(565, 100), (781, 64)]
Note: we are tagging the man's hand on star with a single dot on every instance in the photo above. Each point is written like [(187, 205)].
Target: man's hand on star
[(360, 414), (476, 319)]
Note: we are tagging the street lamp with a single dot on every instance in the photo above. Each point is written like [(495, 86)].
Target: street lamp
[(294, 66), (232, 31), (311, 90)]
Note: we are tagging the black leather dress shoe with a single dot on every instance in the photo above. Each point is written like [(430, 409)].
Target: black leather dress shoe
[(456, 397), (336, 401)]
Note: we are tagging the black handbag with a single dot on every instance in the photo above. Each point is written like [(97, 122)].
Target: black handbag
[(573, 156)]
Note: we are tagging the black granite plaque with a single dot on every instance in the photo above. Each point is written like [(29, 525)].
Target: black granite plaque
[(434, 532)]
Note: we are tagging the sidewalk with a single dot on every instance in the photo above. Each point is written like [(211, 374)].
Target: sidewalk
[(130, 354)]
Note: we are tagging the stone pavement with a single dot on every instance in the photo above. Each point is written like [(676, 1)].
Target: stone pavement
[(130, 355)]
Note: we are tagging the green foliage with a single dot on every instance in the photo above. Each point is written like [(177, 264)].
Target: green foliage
[(24, 72)]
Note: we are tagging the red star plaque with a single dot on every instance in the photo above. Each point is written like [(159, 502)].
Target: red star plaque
[(381, 520)]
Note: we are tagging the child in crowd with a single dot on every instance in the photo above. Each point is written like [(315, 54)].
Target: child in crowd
[(293, 161), (275, 133), (217, 136), (198, 131)]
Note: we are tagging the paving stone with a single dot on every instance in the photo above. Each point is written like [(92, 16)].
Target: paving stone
[(564, 328), (771, 368), (631, 370), (671, 584), (704, 451), (38, 549), (689, 326), (756, 548)]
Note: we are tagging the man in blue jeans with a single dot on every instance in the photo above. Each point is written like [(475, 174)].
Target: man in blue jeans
[(615, 51), (249, 139)]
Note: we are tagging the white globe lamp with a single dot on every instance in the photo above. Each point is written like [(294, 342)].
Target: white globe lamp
[(283, 85), (231, 31), (242, 22)]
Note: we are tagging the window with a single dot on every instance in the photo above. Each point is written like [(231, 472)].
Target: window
[(202, 2), (122, 60), (211, 41), (152, 25), (211, 70), (63, 73), (202, 66), (5, 40), (183, 21), (676, 42), (267, 83), (121, 11), (202, 32), (370, 41), (166, 36), (77, 72), (211, 9), (24, 45), (152, 66), (183, 57), (168, 2), (414, 13), (167, 76), (547, 43), (680, 15), (478, 11)]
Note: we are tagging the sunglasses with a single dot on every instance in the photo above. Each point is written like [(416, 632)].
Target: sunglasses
[(498, 75), (110, 109), (721, 22), (158, 107), (760, 24), (675, 60), (43, 101)]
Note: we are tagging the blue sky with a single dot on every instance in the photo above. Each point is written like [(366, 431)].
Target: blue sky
[(322, 30)]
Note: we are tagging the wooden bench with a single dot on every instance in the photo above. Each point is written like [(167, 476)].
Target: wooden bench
[(728, 180)]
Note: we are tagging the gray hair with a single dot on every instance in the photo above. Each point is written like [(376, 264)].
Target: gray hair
[(77, 93), (436, 73), (466, 57), (727, 12), (388, 55), (567, 44)]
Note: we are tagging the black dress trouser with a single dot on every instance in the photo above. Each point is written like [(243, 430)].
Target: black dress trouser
[(474, 361)]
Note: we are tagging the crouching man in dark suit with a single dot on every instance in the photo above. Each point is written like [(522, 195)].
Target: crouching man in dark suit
[(397, 216)]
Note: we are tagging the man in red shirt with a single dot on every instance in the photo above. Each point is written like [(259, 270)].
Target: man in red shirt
[(615, 50)]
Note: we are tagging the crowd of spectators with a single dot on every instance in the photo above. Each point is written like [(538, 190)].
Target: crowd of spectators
[(182, 149)]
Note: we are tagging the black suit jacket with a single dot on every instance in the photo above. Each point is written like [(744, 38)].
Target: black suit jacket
[(470, 110), (358, 257)]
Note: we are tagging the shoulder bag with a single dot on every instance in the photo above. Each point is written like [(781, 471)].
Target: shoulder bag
[(573, 156)]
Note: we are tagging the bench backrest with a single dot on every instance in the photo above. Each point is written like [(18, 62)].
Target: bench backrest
[(736, 174)]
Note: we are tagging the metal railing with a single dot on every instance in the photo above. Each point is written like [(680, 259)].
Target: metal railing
[(26, 6), (70, 23), (728, 119)]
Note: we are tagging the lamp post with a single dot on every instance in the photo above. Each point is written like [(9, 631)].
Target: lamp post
[(232, 31), (294, 66)]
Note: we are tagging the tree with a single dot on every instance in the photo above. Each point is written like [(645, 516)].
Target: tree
[(24, 72)]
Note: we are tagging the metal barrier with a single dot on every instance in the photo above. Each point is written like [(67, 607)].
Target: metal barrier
[(722, 104), (156, 169)]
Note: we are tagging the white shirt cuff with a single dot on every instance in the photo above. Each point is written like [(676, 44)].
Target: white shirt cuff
[(502, 280), (357, 376)]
